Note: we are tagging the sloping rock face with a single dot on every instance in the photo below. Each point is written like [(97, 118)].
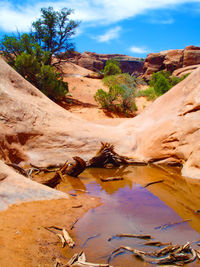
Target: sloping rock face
[(36, 130), (96, 62), (171, 60), (15, 189)]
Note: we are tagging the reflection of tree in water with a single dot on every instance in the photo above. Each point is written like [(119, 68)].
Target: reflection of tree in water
[(72, 183), (113, 186)]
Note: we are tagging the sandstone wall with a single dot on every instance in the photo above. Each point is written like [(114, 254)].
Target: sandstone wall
[(172, 60)]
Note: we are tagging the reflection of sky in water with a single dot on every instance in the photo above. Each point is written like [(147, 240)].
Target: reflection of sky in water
[(127, 207)]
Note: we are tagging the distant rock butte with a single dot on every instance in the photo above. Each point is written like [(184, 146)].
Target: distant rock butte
[(96, 62), (33, 129), (172, 60)]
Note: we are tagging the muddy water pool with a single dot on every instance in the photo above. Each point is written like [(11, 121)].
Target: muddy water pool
[(128, 207)]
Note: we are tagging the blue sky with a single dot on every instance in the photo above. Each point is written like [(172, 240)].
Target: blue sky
[(131, 27)]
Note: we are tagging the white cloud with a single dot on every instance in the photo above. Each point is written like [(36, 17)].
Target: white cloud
[(109, 35), (89, 11), (138, 50)]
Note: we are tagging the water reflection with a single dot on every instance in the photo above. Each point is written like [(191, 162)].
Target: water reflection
[(128, 207)]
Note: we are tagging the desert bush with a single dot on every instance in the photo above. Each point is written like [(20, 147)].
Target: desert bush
[(111, 68), (162, 81), (149, 93), (119, 98), (118, 79)]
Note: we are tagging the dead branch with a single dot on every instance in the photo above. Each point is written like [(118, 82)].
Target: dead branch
[(173, 254), (74, 224), (54, 181), (165, 226), (156, 182), (68, 239), (106, 155), (19, 169), (109, 179), (62, 240), (76, 168), (79, 259), (89, 238), (156, 244), (130, 235)]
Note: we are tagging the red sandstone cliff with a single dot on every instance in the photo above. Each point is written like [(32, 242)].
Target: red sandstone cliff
[(96, 62), (184, 60)]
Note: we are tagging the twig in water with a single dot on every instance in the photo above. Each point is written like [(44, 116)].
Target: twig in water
[(156, 182), (130, 235), (165, 226), (74, 224), (156, 243), (89, 238)]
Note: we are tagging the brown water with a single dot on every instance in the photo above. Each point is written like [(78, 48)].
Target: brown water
[(128, 207)]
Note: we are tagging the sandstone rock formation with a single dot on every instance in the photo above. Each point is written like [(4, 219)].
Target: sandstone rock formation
[(96, 62), (34, 129), (171, 60), (15, 188)]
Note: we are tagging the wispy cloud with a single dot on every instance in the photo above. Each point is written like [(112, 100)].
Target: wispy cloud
[(109, 35), (22, 14), (138, 50)]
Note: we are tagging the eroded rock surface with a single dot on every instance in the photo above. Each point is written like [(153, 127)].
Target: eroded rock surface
[(36, 130), (96, 62), (172, 60), (15, 188)]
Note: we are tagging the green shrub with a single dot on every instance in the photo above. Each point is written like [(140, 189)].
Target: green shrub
[(119, 79), (162, 81), (51, 83), (32, 63), (119, 98), (111, 68), (149, 93), (161, 86)]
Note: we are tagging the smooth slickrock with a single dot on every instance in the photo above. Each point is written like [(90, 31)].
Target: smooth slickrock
[(38, 131), (15, 189)]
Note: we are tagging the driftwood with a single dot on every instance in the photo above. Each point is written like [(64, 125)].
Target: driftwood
[(19, 169), (76, 168), (74, 224), (106, 156), (156, 182), (64, 237), (89, 238), (68, 239), (71, 169), (156, 243), (165, 226), (173, 254), (54, 181), (79, 259), (130, 235), (109, 179), (62, 240)]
